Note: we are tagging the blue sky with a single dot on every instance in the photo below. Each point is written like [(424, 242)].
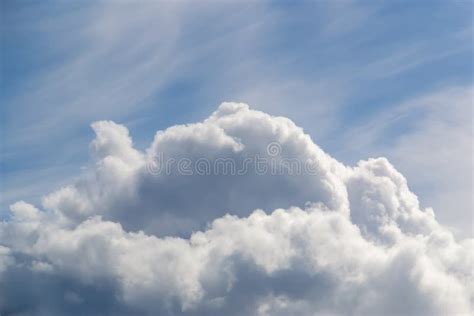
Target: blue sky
[(364, 79)]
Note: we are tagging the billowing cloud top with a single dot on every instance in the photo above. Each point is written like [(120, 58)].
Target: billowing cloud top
[(241, 214)]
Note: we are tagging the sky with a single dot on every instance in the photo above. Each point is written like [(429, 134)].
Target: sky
[(363, 79), (354, 75)]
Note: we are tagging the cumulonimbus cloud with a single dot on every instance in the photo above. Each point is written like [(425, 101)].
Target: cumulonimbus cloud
[(333, 240)]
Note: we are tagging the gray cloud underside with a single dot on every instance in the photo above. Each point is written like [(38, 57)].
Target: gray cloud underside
[(121, 240)]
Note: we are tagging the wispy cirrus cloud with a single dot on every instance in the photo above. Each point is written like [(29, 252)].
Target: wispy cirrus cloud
[(328, 66)]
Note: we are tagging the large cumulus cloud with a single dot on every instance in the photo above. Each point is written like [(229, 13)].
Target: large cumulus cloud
[(130, 237)]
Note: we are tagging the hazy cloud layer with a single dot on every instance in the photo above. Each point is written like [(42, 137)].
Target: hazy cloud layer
[(131, 238)]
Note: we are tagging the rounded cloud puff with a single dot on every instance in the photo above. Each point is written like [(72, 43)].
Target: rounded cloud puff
[(236, 229)]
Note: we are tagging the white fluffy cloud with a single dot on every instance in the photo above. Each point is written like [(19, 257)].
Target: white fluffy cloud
[(131, 238)]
